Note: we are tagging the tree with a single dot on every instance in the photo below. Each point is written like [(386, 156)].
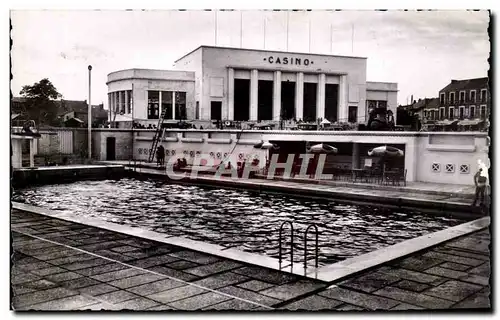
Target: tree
[(40, 102)]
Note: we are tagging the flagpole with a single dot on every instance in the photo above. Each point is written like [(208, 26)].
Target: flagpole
[(352, 39), (331, 38), (287, 24), (309, 35), (265, 20), (241, 29), (89, 120), (215, 22)]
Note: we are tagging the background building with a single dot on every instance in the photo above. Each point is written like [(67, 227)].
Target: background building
[(243, 85)]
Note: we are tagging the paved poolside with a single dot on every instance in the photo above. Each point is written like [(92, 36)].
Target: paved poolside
[(61, 265)]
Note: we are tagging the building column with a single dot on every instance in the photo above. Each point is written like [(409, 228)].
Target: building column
[(320, 96), (355, 155), (299, 96), (32, 152), (254, 96), (411, 156), (126, 101), (342, 111), (173, 104), (277, 96), (119, 101), (230, 94)]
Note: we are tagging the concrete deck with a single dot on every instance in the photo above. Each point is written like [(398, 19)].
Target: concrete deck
[(61, 265)]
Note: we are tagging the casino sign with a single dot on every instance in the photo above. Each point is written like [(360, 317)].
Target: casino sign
[(289, 60)]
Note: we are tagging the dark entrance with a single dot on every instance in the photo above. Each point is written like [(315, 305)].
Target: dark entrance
[(241, 99), (110, 148), (331, 102), (287, 100), (265, 100), (216, 110), (310, 101)]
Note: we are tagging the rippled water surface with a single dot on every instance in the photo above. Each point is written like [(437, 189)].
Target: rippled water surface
[(231, 218)]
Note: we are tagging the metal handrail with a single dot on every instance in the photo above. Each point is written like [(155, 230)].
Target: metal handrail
[(305, 245), (291, 245)]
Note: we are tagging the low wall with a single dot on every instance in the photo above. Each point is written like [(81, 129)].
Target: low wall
[(437, 157)]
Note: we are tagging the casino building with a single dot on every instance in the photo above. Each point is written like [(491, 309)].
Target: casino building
[(247, 85)]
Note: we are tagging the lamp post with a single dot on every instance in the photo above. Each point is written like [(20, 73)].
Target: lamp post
[(89, 121)]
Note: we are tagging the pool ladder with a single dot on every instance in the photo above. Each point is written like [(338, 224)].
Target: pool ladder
[(291, 244)]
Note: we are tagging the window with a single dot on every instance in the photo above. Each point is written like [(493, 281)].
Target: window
[(483, 112), (451, 111), (452, 97), (129, 101), (382, 104), (473, 95), (121, 101), (483, 95), (197, 116), (441, 113), (153, 104), (425, 114), (472, 112), (353, 114), (166, 104), (462, 96), (442, 98), (461, 113), (180, 106), (110, 101)]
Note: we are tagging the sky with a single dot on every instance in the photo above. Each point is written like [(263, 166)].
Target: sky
[(421, 51)]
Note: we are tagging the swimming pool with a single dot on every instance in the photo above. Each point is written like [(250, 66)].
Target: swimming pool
[(237, 219)]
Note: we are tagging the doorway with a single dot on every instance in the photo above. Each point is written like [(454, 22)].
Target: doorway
[(216, 110), (110, 148)]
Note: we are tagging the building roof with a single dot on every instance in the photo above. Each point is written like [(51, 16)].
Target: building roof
[(261, 50), (79, 106), (467, 84)]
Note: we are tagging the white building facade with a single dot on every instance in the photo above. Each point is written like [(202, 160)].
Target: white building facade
[(218, 83)]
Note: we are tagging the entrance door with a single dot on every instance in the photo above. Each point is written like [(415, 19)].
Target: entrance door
[(216, 110), (110, 148)]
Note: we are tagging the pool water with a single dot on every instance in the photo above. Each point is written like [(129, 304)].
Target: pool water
[(237, 219)]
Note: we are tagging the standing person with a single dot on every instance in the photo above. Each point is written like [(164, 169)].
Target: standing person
[(162, 155), (480, 182), (158, 161)]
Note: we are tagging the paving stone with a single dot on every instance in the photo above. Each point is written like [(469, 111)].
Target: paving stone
[(448, 273), (255, 285), (173, 273), (221, 280), (474, 278), (85, 264), (136, 304), (114, 255), (119, 274), (266, 275), (412, 275), (349, 307), (154, 261), (137, 254), (102, 269), (181, 264), (411, 285), (155, 287), (57, 254), (48, 271), (98, 289), (122, 249), (79, 283), (453, 290), (160, 307), (482, 270), (117, 296), (195, 257), (36, 285), (209, 269), (454, 266), (453, 258), (23, 277), (250, 295), (135, 280), (419, 263), (64, 303), (41, 296), (292, 290), (470, 242), (233, 304), (34, 266), (71, 259), (414, 298), (65, 276), (99, 246), (363, 300), (137, 243), (313, 303), (371, 281), (200, 301), (406, 306), (462, 253), (176, 294)]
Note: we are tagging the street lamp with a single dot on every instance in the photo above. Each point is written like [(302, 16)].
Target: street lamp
[(89, 121)]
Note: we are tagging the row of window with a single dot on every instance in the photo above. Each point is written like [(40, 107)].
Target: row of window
[(373, 104), (120, 101), (461, 113), (171, 103), (463, 97)]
